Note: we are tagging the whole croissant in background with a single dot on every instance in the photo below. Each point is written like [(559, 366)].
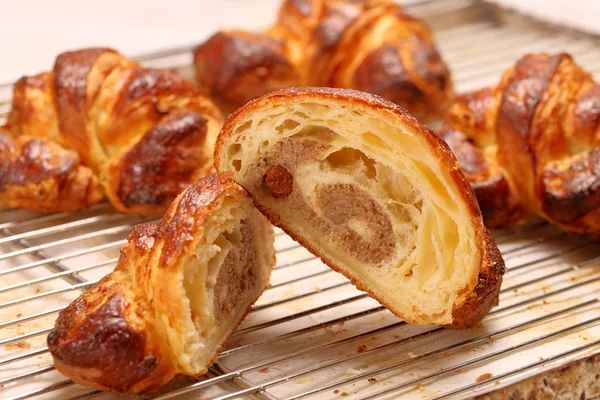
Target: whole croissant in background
[(532, 144), (179, 290), (100, 125), (369, 45)]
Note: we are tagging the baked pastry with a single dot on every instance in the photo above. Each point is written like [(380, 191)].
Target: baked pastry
[(38, 174), (375, 194), (535, 136), (469, 129), (178, 292), (100, 125), (369, 45)]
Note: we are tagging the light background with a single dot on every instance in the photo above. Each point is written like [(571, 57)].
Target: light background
[(33, 32)]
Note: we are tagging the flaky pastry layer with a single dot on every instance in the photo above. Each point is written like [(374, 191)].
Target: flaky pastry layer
[(178, 292), (371, 191)]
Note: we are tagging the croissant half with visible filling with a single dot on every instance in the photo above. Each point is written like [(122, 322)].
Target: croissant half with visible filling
[(178, 292), (531, 145), (372, 192), (369, 45), (100, 125)]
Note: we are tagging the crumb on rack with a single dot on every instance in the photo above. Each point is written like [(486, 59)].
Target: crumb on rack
[(263, 370), (344, 394), (361, 348), (372, 380), (484, 377), (410, 354), (336, 391), (21, 344), (19, 315), (317, 289)]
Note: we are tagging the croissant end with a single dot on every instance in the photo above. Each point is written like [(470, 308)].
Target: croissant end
[(178, 292)]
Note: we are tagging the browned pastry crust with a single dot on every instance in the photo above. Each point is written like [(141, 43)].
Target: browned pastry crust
[(234, 67), (40, 175), (278, 191), (537, 135), (109, 114), (469, 131), (369, 45), (126, 333)]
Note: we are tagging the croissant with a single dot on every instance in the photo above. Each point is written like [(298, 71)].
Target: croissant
[(99, 125), (373, 193), (532, 142), (369, 45), (179, 290)]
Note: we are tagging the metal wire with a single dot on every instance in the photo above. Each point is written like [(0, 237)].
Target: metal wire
[(46, 260)]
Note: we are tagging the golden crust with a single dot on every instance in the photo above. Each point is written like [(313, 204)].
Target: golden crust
[(39, 175), (106, 337), (100, 105), (487, 281), (369, 45), (171, 154), (234, 67), (469, 132), (112, 336), (536, 134)]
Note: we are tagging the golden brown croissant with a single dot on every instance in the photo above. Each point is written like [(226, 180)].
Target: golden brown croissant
[(375, 194), (178, 292), (137, 135), (369, 45), (534, 140), (38, 174)]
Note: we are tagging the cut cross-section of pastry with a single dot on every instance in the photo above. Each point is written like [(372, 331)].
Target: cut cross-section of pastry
[(179, 290), (372, 192)]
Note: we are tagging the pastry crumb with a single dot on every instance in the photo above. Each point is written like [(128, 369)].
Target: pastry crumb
[(21, 344), (372, 380), (484, 377), (263, 370), (336, 391), (410, 354), (317, 289), (19, 315), (361, 348), (344, 394)]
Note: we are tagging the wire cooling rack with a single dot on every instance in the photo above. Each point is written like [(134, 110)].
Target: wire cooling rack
[(312, 334)]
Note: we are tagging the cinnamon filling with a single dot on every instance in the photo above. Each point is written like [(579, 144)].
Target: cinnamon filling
[(238, 274), (344, 213)]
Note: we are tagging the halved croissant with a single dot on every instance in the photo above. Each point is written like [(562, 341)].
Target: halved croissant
[(536, 137), (142, 135), (369, 45), (178, 292), (375, 194)]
